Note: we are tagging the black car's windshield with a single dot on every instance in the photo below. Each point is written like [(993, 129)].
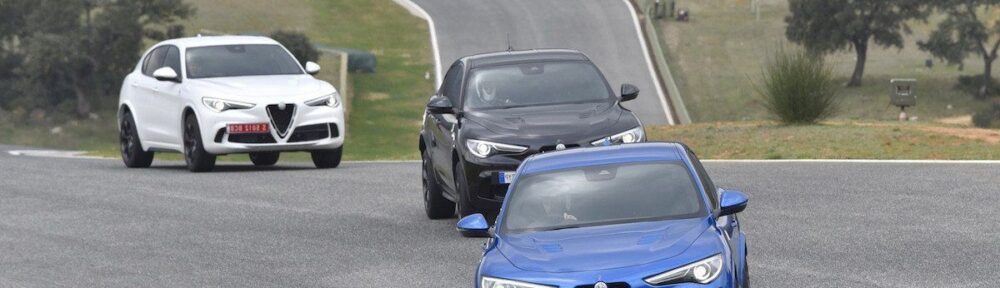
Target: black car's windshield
[(602, 195), (545, 83), (239, 60)]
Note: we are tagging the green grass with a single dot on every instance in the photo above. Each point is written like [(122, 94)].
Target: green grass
[(721, 50), (384, 108), (834, 140)]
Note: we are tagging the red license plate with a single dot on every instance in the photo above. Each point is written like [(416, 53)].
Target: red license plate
[(248, 128)]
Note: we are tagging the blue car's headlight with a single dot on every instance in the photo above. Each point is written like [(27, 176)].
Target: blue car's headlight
[(488, 282), (703, 271), (633, 135)]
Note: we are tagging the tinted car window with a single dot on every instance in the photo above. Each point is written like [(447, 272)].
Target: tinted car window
[(154, 60), (706, 181), (452, 86), (531, 84), (173, 59), (602, 195), (239, 60)]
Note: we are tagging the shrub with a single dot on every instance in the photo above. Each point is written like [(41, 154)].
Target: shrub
[(987, 118), (297, 43), (972, 83), (797, 88)]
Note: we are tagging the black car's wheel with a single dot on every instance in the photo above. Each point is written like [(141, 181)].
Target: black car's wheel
[(463, 205), (327, 158), (436, 206), (131, 146), (264, 158), (198, 160)]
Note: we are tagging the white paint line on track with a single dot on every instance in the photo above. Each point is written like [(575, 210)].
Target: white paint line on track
[(53, 154), (649, 62), (418, 11)]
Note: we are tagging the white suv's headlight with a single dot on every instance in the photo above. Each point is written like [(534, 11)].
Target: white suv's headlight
[(488, 282), (332, 100), (702, 272), (219, 105), (483, 149), (633, 135)]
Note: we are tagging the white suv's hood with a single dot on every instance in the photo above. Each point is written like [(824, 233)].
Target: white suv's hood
[(259, 88)]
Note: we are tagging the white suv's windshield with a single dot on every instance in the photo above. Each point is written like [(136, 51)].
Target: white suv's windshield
[(602, 195), (239, 60), (530, 84)]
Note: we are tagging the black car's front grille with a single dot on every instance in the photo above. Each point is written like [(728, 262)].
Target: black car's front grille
[(310, 133), (281, 119), (254, 138), (610, 285), (548, 148)]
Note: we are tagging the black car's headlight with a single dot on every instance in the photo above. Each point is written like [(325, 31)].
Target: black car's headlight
[(332, 100), (489, 282), (219, 105), (483, 149), (702, 272), (633, 135)]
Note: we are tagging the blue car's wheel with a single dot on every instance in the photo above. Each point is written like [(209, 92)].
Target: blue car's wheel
[(436, 206)]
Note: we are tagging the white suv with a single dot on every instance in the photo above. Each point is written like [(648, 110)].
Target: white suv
[(208, 96)]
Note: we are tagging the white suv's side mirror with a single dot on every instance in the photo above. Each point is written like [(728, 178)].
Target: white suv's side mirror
[(312, 68), (166, 74)]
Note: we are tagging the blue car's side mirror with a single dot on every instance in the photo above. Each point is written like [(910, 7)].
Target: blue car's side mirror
[(733, 202), (474, 225)]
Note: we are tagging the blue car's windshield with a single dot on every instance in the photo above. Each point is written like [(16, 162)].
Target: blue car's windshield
[(602, 195)]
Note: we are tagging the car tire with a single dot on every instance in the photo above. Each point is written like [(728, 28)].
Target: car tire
[(197, 159), (746, 273), (131, 145), (435, 205), (463, 205), (264, 158), (327, 158)]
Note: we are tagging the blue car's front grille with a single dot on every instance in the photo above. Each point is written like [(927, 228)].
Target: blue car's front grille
[(610, 285)]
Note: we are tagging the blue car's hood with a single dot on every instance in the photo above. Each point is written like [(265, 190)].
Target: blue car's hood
[(600, 247)]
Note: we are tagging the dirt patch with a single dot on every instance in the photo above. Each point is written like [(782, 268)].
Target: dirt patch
[(965, 120), (373, 96), (987, 135)]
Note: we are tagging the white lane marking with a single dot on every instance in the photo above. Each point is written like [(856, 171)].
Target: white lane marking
[(649, 63), (52, 154), (854, 161), (418, 11)]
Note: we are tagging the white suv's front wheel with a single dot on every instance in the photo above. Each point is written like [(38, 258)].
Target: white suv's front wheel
[(198, 160), (327, 158)]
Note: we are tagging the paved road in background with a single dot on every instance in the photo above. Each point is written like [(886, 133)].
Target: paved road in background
[(93, 223), (604, 30)]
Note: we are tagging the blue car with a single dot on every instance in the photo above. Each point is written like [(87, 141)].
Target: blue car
[(627, 216)]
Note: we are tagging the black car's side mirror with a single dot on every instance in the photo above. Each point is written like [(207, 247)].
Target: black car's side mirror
[(629, 92), (440, 105)]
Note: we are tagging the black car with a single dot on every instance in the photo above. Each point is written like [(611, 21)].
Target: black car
[(494, 110)]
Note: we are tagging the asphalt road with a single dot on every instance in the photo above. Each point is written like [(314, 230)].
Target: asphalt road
[(604, 30), (94, 223)]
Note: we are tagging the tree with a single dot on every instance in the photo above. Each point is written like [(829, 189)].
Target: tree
[(827, 26), (968, 29), (297, 43), (71, 50)]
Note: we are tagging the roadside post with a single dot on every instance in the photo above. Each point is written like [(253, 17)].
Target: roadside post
[(903, 95)]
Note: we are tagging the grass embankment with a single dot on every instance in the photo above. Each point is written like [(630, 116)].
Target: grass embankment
[(720, 52), (385, 107), (834, 140)]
